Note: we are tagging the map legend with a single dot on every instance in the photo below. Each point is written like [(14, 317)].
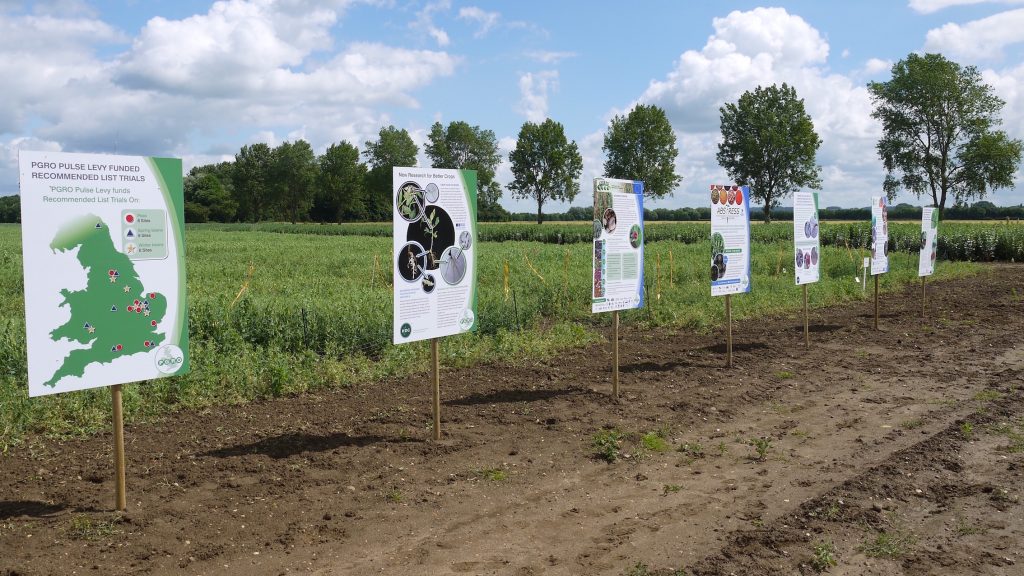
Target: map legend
[(144, 234)]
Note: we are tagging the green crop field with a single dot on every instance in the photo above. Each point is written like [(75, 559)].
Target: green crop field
[(275, 314)]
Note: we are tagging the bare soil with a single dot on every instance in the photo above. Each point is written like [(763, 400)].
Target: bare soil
[(895, 447)]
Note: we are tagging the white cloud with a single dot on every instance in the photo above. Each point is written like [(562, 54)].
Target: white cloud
[(424, 21), (978, 39), (534, 89), (929, 6), (486, 20), (549, 57), (761, 47), (876, 66)]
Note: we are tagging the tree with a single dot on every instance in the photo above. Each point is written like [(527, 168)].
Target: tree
[(340, 197), (937, 132), (545, 165), (769, 143), (393, 147), (461, 146), (10, 209), (642, 146), (206, 199), (294, 175), (251, 179)]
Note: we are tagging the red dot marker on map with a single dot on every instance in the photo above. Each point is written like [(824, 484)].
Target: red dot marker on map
[(131, 309), (137, 302), (152, 295), (146, 343), (119, 347), (153, 323), (129, 218), (110, 272)]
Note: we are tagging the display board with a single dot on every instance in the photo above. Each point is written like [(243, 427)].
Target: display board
[(806, 240), (730, 240), (618, 245), (929, 236), (104, 255), (879, 235), (435, 236)]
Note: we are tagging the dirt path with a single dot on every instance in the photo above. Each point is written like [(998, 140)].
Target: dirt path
[(915, 433)]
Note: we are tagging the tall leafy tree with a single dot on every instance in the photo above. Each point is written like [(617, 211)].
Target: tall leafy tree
[(938, 132), (642, 146), (393, 147), (769, 143), (462, 146), (10, 209), (294, 176), (545, 165), (207, 199), (251, 179), (340, 194)]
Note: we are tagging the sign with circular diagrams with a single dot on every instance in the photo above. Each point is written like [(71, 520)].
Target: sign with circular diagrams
[(434, 215)]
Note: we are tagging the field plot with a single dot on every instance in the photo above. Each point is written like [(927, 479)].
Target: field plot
[(278, 314)]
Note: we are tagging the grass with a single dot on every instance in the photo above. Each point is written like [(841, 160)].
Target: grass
[(888, 544), (493, 474), (783, 374), (83, 527), (655, 442), (912, 424), (670, 489), (315, 314), (394, 496)]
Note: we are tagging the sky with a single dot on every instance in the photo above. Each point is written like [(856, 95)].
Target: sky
[(197, 80)]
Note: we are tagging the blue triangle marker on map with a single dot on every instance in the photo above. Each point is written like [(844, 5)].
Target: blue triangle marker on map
[(113, 308), (87, 326), (98, 225), (131, 234)]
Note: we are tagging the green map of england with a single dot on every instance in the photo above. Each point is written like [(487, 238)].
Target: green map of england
[(114, 316)]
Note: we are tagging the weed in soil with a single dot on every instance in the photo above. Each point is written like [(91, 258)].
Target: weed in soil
[(493, 474), (761, 445), (82, 527), (824, 556), (912, 424), (888, 544), (670, 489), (655, 442), (966, 430), (606, 442)]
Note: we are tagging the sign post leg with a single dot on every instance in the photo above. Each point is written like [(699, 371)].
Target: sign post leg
[(923, 278), (876, 301), (435, 363), (121, 498), (615, 353), (807, 330), (728, 328)]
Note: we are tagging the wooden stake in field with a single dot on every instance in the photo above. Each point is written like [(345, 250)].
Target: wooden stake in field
[(120, 491), (435, 363), (728, 329), (923, 307), (615, 353), (876, 301), (807, 329)]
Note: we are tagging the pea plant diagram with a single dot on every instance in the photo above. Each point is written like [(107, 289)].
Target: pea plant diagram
[(434, 238)]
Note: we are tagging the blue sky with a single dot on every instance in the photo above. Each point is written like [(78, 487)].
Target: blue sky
[(197, 80)]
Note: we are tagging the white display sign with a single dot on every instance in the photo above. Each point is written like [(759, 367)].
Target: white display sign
[(929, 235), (730, 240), (435, 246), (879, 235), (104, 255), (806, 237), (618, 245)]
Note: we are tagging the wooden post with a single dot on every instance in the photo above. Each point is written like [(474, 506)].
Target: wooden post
[(436, 378), (876, 301), (671, 269), (923, 308), (615, 353), (120, 491), (807, 330), (728, 330)]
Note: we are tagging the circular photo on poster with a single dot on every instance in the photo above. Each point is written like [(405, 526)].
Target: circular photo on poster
[(715, 274), (597, 229), (799, 259), (609, 221), (409, 200), (739, 196), (432, 193), (465, 240), (714, 195), (732, 196), (814, 256), (924, 239), (412, 261), (434, 231), (429, 283), (453, 265), (635, 236)]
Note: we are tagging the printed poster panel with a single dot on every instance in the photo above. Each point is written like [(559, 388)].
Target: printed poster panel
[(730, 239), (104, 252), (806, 242), (879, 235), (435, 246), (618, 245), (929, 235)]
